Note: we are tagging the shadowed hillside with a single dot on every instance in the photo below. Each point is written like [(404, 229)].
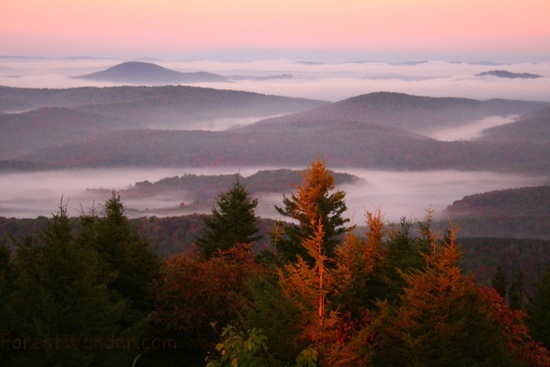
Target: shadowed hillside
[(362, 149), (413, 113), (533, 127), (27, 132), (511, 202), (142, 107)]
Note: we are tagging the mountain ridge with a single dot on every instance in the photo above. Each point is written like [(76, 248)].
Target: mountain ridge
[(136, 72), (416, 114)]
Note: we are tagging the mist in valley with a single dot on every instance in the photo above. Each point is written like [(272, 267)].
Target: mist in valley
[(325, 81), (471, 130), (398, 194)]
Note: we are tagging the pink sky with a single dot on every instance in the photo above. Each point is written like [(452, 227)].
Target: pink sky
[(176, 27)]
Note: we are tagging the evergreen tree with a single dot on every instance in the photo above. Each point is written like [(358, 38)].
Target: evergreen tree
[(130, 264), (500, 282), (6, 281), (441, 320), (316, 201), (61, 304), (233, 221), (402, 253), (516, 293), (539, 309)]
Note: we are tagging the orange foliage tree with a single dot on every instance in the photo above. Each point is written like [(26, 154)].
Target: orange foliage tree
[(441, 320), (316, 201)]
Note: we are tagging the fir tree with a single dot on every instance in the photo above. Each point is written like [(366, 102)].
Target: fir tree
[(130, 264), (61, 302), (441, 320), (500, 282), (516, 293), (539, 309), (232, 221)]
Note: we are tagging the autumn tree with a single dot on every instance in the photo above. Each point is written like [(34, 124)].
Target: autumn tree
[(441, 320), (316, 201), (232, 221), (356, 260), (192, 293), (512, 324)]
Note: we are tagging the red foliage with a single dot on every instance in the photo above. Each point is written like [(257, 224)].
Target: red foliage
[(194, 293), (527, 351)]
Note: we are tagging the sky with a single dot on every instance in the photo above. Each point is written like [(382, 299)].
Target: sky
[(496, 30)]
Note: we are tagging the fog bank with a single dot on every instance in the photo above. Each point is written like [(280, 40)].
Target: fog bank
[(398, 194), (326, 81)]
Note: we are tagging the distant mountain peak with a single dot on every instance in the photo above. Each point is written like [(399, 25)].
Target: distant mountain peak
[(136, 72)]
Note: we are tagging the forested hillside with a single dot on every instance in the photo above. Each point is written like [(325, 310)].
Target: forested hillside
[(28, 132), (533, 127), (512, 202), (362, 148), (148, 106), (411, 113), (378, 130)]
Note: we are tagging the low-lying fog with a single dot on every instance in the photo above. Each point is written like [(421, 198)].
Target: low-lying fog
[(326, 81), (470, 131), (399, 194)]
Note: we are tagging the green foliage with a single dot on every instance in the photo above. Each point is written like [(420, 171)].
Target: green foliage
[(238, 350), (441, 321), (402, 252), (279, 318), (131, 265), (307, 358), (516, 292), (249, 349), (232, 222), (79, 289), (60, 300), (500, 282), (539, 309)]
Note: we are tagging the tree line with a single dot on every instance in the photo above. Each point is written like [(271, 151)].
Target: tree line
[(322, 294)]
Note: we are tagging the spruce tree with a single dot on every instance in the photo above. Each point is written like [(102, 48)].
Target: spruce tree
[(539, 309), (130, 264), (232, 221), (516, 293), (441, 320), (5, 290), (61, 303), (316, 201), (500, 282)]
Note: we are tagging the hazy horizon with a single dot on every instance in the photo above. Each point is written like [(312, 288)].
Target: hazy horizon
[(327, 81), (400, 30)]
